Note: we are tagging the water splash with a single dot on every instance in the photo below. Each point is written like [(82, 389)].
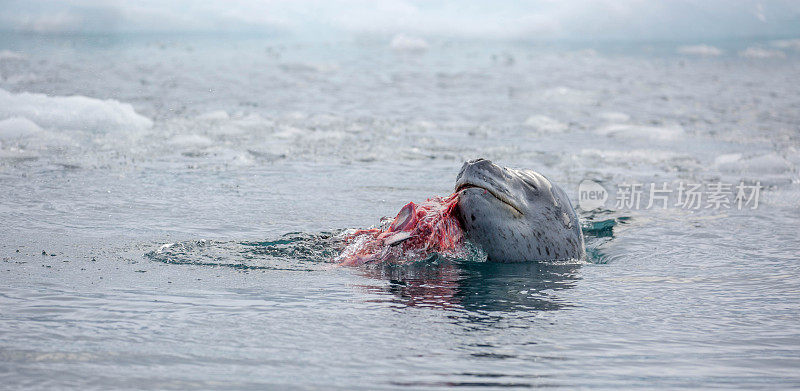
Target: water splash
[(293, 251)]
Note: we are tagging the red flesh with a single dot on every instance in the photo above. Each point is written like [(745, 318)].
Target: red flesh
[(432, 227)]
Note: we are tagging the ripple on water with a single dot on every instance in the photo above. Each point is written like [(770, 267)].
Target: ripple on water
[(293, 251)]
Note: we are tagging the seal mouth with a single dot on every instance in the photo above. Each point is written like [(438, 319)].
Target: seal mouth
[(499, 196)]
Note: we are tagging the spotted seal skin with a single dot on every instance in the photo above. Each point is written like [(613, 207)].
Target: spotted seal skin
[(516, 215)]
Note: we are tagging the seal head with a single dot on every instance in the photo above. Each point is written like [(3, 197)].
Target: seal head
[(516, 215)]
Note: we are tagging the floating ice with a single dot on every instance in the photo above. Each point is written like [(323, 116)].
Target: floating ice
[(757, 52), (72, 112), (793, 44), (17, 128), (9, 55), (402, 42), (727, 159), (700, 50), (770, 163), (21, 138), (544, 123), (289, 132), (639, 131)]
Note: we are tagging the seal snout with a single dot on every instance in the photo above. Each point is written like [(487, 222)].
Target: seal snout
[(474, 166), (474, 173), (479, 163)]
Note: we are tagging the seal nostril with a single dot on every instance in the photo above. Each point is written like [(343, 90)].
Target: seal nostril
[(473, 217), (479, 160)]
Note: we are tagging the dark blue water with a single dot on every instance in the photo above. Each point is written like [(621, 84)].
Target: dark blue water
[(172, 226)]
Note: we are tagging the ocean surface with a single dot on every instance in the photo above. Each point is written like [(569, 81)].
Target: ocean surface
[(169, 207)]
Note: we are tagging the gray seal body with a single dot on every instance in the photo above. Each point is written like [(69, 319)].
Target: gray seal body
[(516, 215)]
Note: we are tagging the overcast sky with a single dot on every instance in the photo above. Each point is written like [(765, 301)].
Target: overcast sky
[(503, 19)]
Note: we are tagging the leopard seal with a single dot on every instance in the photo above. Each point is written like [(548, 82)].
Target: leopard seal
[(516, 215)]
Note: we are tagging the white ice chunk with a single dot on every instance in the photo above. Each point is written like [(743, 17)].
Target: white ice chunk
[(72, 112), (639, 131), (17, 128), (700, 50), (544, 123), (757, 52)]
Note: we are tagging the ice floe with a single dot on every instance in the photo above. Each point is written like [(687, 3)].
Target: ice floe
[(770, 163), (700, 50), (9, 55), (544, 123), (663, 133), (759, 52), (793, 44), (17, 128), (72, 112)]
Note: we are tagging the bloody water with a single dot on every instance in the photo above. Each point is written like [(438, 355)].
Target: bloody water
[(415, 233)]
